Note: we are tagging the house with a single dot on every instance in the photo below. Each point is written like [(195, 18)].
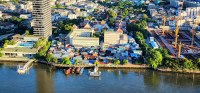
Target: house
[(25, 16), (100, 26), (72, 16)]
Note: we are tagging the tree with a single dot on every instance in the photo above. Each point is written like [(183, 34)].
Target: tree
[(76, 62), (49, 58), (116, 62), (5, 45), (188, 64), (145, 16), (96, 63), (112, 14), (55, 60), (125, 62), (68, 28), (66, 61), (27, 32), (125, 13), (154, 58)]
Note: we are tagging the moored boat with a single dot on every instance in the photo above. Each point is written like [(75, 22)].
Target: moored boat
[(78, 69), (67, 71), (73, 70), (82, 69), (95, 73)]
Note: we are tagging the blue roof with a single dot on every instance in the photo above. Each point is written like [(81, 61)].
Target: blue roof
[(154, 44)]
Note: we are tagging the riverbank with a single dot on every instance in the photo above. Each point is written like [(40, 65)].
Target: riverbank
[(128, 66), (107, 66), (179, 70)]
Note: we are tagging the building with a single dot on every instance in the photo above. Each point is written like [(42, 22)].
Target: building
[(42, 18), (192, 3), (193, 12), (175, 3), (22, 48), (112, 38), (82, 38)]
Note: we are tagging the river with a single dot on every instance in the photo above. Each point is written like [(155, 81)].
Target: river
[(43, 79)]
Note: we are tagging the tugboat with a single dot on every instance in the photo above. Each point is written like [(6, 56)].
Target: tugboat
[(95, 73)]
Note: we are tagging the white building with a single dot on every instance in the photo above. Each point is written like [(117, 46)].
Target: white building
[(193, 12)]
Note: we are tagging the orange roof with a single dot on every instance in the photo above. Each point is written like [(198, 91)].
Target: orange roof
[(120, 30), (87, 26)]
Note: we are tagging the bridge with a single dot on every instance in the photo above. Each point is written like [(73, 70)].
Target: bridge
[(25, 68)]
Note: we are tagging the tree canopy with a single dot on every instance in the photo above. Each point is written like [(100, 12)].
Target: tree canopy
[(154, 58)]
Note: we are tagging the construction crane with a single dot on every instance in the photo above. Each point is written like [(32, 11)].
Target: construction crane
[(178, 26), (164, 23), (193, 32), (179, 50)]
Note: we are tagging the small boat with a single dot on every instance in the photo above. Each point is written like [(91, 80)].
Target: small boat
[(95, 73), (73, 70), (67, 71), (82, 69), (78, 69), (21, 71)]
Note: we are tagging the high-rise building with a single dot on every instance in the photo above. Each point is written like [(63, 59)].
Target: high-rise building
[(42, 25)]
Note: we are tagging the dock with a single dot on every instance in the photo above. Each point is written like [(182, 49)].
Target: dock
[(25, 68)]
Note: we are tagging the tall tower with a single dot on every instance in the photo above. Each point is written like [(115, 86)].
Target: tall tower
[(42, 18)]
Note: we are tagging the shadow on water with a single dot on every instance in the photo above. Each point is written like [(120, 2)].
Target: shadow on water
[(44, 79)]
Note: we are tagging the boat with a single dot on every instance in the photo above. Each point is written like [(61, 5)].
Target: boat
[(95, 73), (78, 69), (82, 69), (67, 71), (73, 70), (21, 71)]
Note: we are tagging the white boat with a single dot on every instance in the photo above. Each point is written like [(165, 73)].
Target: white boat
[(82, 69), (95, 73)]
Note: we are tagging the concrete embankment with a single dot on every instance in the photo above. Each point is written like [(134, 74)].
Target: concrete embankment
[(179, 70), (129, 66)]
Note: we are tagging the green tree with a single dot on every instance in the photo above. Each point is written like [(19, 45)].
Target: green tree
[(49, 58), (112, 13), (76, 62), (116, 62), (188, 64), (145, 16), (5, 45), (66, 61), (154, 58), (27, 32), (96, 63), (55, 60), (125, 62)]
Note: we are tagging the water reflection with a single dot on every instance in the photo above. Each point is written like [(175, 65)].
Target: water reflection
[(44, 77), (50, 80)]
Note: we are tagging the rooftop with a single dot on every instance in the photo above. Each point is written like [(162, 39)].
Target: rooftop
[(20, 49)]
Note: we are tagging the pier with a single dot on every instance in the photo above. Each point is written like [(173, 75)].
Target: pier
[(25, 68)]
